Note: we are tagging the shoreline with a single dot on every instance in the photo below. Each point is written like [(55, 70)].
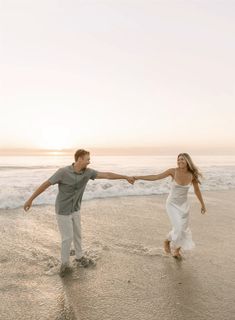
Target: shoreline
[(191, 195)]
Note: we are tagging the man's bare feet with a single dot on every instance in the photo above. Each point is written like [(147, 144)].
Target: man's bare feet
[(85, 262), (167, 247), (65, 269)]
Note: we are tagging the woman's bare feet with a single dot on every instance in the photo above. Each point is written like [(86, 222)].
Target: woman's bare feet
[(176, 254), (167, 247)]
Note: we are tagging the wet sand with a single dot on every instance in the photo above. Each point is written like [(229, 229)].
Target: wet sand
[(133, 277)]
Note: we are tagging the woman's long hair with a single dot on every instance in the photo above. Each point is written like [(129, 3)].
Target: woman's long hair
[(191, 166)]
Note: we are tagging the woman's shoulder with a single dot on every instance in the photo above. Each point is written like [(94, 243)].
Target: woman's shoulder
[(172, 171)]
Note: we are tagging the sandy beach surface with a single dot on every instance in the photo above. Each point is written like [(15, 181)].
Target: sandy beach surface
[(133, 278)]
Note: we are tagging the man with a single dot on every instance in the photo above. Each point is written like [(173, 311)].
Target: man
[(72, 181)]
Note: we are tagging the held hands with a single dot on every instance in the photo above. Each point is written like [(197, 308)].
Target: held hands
[(131, 180)]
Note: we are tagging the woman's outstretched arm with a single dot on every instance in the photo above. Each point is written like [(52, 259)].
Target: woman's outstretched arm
[(165, 174)]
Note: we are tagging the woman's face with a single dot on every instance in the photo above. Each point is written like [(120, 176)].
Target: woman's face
[(181, 162)]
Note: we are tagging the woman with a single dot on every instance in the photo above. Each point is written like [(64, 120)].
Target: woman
[(177, 205)]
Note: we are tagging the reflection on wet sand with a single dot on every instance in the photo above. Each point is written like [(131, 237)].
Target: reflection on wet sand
[(133, 278), (63, 308)]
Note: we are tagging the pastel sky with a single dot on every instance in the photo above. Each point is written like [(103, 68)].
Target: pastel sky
[(117, 73)]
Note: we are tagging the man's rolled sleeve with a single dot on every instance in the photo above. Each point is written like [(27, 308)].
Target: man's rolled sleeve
[(56, 177), (93, 174)]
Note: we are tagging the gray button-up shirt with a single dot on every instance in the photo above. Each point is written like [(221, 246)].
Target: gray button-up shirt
[(71, 185)]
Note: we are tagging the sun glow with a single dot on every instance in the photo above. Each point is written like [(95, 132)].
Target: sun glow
[(54, 139)]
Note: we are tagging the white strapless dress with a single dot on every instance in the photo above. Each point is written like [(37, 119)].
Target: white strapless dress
[(177, 207)]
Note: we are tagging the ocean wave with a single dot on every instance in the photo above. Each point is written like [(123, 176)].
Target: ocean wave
[(28, 168), (18, 181), (13, 196)]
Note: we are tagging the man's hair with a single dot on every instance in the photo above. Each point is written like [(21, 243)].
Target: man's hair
[(80, 153)]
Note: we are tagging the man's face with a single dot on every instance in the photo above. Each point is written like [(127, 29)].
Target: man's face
[(84, 161)]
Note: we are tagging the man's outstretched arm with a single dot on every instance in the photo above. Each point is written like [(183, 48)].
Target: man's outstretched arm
[(114, 176), (36, 193)]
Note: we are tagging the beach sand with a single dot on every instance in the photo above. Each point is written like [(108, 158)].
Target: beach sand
[(133, 278)]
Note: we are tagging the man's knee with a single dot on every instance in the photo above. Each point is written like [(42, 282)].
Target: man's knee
[(67, 239)]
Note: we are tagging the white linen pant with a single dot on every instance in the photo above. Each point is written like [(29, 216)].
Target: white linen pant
[(70, 230)]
